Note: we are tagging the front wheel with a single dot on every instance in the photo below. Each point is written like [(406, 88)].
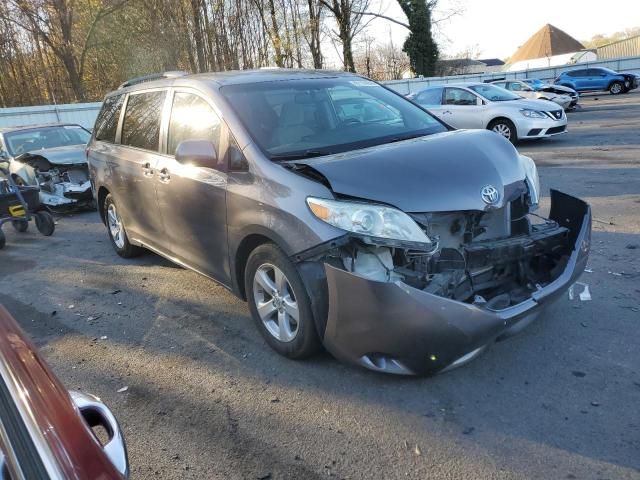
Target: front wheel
[(117, 232), (506, 128), (45, 223), (279, 303), (616, 88)]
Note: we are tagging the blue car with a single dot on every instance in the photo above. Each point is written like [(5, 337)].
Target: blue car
[(597, 79)]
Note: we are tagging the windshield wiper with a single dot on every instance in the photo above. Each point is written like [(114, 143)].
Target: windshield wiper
[(407, 137), (299, 155)]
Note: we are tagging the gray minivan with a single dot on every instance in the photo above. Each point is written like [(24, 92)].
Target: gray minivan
[(347, 216)]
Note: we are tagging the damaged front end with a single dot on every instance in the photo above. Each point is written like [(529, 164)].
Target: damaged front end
[(420, 308), (63, 186)]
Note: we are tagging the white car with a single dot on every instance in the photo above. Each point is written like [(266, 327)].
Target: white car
[(527, 91), (482, 105)]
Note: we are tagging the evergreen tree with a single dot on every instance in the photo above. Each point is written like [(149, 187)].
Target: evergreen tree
[(420, 46)]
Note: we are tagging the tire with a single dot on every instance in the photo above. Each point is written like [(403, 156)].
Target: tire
[(290, 337), (117, 231), (20, 225), (616, 88), (45, 223), (3, 239), (501, 126)]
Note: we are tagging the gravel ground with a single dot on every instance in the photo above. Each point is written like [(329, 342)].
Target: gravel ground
[(208, 399)]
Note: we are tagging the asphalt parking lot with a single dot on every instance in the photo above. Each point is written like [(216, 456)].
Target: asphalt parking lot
[(207, 398)]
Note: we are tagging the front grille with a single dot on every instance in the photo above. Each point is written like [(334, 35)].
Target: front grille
[(553, 130), (557, 114)]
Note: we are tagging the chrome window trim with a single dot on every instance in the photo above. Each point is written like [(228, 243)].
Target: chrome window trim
[(28, 418)]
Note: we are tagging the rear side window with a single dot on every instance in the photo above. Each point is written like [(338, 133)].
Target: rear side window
[(107, 121), (457, 96), (192, 118), (578, 73), (430, 97), (141, 126)]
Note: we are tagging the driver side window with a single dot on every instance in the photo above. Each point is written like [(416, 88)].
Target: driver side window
[(457, 96)]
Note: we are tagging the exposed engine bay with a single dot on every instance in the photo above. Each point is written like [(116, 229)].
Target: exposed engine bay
[(62, 186), (493, 258)]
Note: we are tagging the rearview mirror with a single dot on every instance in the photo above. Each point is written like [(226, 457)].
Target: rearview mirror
[(199, 153)]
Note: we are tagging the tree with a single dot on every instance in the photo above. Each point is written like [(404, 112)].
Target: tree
[(54, 23), (420, 45), (312, 32), (599, 40), (349, 16)]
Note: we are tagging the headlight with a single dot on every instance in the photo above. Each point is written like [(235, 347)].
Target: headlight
[(532, 179), (367, 219), (532, 113)]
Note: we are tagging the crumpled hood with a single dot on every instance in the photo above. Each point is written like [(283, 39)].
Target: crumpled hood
[(441, 172), (70, 155), (557, 89)]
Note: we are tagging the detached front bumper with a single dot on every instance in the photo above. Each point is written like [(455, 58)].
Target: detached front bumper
[(395, 328)]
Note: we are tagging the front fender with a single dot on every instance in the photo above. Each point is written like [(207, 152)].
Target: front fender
[(24, 171)]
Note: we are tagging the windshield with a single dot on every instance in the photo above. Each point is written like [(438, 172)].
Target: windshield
[(494, 93), (23, 141), (310, 117), (535, 82)]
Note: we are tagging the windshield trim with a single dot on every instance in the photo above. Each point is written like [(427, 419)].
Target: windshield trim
[(352, 146)]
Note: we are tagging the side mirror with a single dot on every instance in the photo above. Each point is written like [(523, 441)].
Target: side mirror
[(199, 153)]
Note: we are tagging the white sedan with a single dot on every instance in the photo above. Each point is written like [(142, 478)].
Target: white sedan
[(527, 91), (482, 105)]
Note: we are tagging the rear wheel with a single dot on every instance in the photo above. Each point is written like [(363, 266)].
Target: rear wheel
[(45, 223), (616, 88), (279, 303), (506, 128), (117, 231)]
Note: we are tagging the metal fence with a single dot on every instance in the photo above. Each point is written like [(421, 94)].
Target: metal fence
[(624, 48), (81, 113), (626, 65), (85, 113)]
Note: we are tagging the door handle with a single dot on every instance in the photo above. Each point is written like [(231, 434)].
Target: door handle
[(164, 175), (147, 171), (446, 111)]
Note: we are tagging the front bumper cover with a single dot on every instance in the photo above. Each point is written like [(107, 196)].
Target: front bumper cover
[(395, 328)]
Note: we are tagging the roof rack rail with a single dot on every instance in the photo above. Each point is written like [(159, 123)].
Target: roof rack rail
[(153, 76)]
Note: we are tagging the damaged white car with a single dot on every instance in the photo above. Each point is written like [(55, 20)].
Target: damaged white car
[(53, 158)]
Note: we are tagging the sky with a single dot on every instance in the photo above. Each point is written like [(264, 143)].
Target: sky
[(499, 27)]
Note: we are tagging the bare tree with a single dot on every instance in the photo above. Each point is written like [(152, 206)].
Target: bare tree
[(54, 22), (349, 18)]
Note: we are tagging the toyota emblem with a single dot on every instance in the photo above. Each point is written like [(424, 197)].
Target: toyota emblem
[(490, 194)]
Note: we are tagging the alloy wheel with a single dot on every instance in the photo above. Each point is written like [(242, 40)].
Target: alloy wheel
[(616, 88), (503, 130), (276, 303), (115, 226)]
